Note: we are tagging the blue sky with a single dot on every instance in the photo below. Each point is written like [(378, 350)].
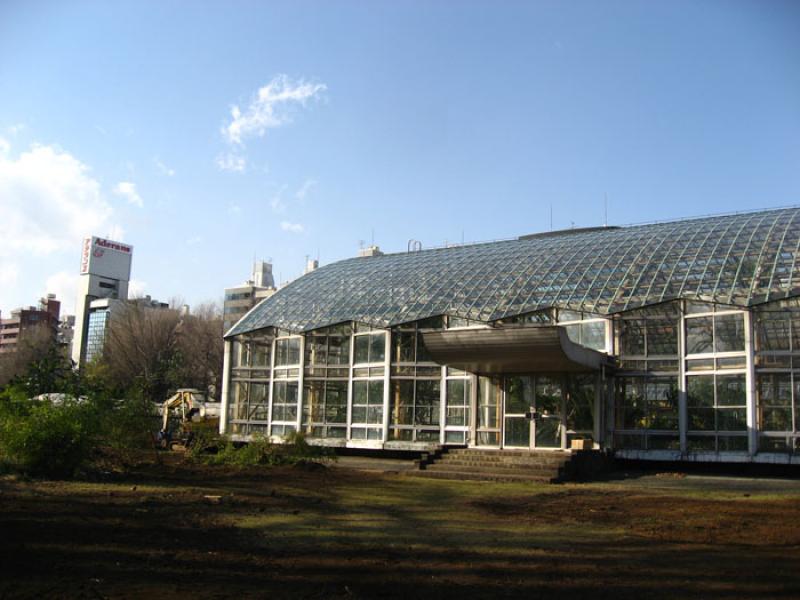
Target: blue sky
[(433, 121)]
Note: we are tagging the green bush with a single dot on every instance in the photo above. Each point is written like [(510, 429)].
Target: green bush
[(44, 439), (219, 450)]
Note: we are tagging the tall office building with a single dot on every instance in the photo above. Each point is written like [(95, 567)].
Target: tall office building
[(241, 298), (105, 273)]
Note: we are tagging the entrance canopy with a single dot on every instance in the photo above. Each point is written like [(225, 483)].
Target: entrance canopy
[(539, 348)]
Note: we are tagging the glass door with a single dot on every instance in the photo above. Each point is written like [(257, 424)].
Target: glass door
[(488, 422), (548, 432), (519, 401)]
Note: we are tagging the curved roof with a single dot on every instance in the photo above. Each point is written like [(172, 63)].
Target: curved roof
[(741, 259)]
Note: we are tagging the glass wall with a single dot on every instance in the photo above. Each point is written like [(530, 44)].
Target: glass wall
[(685, 381), (716, 379), (248, 398), (415, 396), (369, 373), (777, 366), (646, 408), (285, 384), (326, 382)]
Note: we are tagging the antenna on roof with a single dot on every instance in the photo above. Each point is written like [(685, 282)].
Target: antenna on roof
[(372, 243)]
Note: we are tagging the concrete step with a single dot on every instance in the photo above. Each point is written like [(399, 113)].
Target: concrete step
[(477, 461), (472, 476), (508, 452), (533, 470)]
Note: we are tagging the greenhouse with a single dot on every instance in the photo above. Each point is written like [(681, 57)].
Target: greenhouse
[(667, 341)]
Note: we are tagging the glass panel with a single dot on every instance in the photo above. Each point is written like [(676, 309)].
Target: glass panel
[(428, 402), (313, 403), (773, 332), (361, 349), (662, 401), (631, 339), (729, 333), (519, 395), (338, 350), (548, 432), (316, 350), (489, 393), (377, 347), (662, 337), (699, 335), (631, 408), (403, 346), (458, 395), (580, 402), (258, 405), (261, 354), (402, 402), (731, 390), (593, 335), (336, 402), (700, 402), (518, 432)]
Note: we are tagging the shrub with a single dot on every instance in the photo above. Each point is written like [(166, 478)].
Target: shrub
[(45, 439), (219, 450)]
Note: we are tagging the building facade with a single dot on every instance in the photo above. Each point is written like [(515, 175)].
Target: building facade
[(105, 271), (240, 299), (671, 341), (24, 320)]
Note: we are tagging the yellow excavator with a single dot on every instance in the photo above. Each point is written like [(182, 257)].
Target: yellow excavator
[(183, 413)]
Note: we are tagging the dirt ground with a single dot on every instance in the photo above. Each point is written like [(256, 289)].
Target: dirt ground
[(188, 530)]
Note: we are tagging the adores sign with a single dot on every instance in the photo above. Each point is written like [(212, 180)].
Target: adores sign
[(106, 258)]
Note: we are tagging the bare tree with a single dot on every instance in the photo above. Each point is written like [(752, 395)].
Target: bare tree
[(141, 347), (201, 349), (159, 350)]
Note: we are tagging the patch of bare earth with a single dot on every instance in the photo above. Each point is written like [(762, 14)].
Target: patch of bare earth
[(662, 517), (176, 529)]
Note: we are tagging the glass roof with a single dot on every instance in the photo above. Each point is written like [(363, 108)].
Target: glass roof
[(741, 259)]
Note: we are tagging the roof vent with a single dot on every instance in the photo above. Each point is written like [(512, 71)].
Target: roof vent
[(370, 251)]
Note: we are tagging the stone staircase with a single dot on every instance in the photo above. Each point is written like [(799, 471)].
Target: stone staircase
[(549, 466)]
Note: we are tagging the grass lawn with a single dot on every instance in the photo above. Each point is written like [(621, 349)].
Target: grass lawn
[(299, 533)]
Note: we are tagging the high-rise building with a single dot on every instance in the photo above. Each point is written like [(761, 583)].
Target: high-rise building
[(241, 298), (24, 320), (105, 272)]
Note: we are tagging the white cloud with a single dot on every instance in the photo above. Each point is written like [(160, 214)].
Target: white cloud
[(48, 203), (127, 190), (136, 288), (5, 147), (16, 128), (164, 169), (231, 162), (307, 186), (292, 227), (271, 107), (64, 285)]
